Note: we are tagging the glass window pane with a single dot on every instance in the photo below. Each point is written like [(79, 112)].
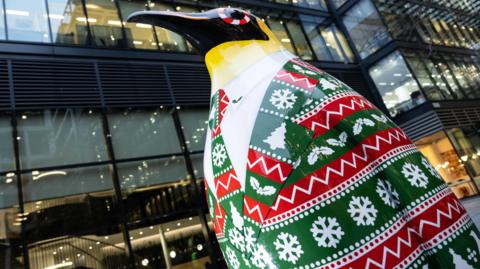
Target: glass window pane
[(426, 79), (194, 123), (151, 172), (66, 27), (337, 44), (315, 4), (72, 218), (10, 250), (279, 30), (7, 161), (105, 24), (139, 36), (466, 141), (27, 22), (398, 89), (41, 185), (366, 28), (60, 137), (143, 132), (301, 44), (338, 3), (197, 162), (168, 40)]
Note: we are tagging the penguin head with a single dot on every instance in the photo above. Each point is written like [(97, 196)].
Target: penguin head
[(209, 29)]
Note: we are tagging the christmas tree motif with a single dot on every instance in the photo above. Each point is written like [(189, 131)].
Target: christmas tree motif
[(458, 261), (327, 84), (475, 237), (277, 138), (236, 217)]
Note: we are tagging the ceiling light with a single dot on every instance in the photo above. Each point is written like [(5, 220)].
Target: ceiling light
[(136, 42), (83, 19), (60, 265), (17, 12), (113, 22), (143, 25), (51, 173), (56, 16)]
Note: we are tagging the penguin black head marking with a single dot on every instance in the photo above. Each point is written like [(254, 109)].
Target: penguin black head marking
[(208, 29)]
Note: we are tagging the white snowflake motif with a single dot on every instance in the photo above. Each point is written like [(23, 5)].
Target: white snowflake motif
[(232, 258), (472, 255), (316, 151), (389, 195), (246, 261), (249, 239), (362, 210), (430, 168), (326, 231), (261, 258), (288, 247), (283, 99), (236, 239), (414, 175), (219, 155)]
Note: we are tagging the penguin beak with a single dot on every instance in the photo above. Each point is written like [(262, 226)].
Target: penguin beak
[(203, 30), (186, 24)]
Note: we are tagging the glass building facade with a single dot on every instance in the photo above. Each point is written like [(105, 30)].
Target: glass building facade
[(102, 122)]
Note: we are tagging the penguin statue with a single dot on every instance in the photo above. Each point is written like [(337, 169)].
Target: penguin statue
[(303, 172)]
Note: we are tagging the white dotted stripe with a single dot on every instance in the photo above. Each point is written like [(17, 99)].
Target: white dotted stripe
[(275, 113), (222, 172), (410, 258), (434, 244), (347, 186), (390, 228), (271, 154), (229, 195), (292, 86), (324, 103), (398, 218)]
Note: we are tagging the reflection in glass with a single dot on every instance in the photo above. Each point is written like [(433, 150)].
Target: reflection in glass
[(399, 91), (143, 132), (366, 28), (105, 24), (194, 126), (151, 172), (6, 145), (59, 137), (197, 162), (440, 153), (139, 36), (338, 3), (27, 22), (71, 217), (66, 28), (301, 44), (467, 142), (10, 251), (278, 29)]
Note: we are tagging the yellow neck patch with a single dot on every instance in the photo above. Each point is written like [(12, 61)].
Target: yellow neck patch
[(228, 60)]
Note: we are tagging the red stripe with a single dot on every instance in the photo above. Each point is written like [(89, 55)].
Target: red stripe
[(226, 183), (336, 172), (296, 79), (334, 112), (219, 220), (254, 209), (268, 167)]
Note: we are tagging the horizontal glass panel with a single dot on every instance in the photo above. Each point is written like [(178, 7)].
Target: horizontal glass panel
[(366, 28), (7, 161), (399, 91), (143, 132), (105, 23), (27, 22), (194, 126), (59, 137), (67, 22)]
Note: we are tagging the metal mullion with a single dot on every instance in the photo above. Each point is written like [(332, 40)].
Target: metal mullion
[(429, 73), (48, 21), (5, 19), (410, 69), (19, 177), (309, 43), (460, 88), (90, 40), (124, 33), (190, 170), (284, 24), (117, 189)]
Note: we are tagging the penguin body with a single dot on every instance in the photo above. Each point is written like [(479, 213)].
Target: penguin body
[(303, 172)]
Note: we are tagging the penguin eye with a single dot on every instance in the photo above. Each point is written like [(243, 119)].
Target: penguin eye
[(234, 16)]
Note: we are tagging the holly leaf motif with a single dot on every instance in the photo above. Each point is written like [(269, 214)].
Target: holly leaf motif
[(381, 118), (325, 150), (266, 190), (343, 137), (254, 183)]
